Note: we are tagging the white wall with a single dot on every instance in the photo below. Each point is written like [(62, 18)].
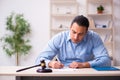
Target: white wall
[(117, 31), (37, 14)]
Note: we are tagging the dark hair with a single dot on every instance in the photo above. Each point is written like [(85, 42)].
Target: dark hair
[(81, 21)]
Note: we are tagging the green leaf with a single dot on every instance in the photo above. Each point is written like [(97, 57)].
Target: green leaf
[(16, 42)]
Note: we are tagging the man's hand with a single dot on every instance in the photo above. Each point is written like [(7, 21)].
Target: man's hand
[(79, 65), (55, 64)]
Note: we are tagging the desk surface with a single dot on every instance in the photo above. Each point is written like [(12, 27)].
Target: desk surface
[(11, 71)]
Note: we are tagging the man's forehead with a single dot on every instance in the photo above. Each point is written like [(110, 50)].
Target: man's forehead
[(78, 29)]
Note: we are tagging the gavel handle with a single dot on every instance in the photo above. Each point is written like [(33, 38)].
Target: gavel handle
[(27, 68)]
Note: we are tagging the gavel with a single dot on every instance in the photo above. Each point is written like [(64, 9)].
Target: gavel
[(42, 70)]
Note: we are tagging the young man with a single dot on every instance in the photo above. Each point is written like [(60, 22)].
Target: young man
[(76, 48)]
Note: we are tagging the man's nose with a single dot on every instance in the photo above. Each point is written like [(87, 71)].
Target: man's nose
[(76, 36)]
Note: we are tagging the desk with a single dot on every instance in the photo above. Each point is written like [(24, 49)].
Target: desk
[(76, 74)]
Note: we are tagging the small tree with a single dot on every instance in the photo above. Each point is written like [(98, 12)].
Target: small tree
[(15, 42)]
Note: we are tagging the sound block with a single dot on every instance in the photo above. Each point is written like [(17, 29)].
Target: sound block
[(44, 70)]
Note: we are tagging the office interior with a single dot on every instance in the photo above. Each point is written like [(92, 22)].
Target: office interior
[(37, 13)]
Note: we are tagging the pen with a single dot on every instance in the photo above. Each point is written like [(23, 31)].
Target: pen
[(61, 65), (58, 59)]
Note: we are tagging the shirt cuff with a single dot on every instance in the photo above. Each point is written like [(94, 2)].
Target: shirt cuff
[(92, 63), (47, 61)]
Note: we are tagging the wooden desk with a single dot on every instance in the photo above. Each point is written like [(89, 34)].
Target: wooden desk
[(76, 74)]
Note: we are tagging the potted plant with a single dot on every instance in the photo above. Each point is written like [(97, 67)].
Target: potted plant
[(100, 9), (15, 42)]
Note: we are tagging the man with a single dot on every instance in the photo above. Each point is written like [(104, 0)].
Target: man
[(76, 48)]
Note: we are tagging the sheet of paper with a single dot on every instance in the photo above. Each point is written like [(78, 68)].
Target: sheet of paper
[(66, 69)]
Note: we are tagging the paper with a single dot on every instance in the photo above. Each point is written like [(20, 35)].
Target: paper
[(65, 69)]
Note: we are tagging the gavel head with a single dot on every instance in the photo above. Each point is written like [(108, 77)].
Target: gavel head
[(43, 64)]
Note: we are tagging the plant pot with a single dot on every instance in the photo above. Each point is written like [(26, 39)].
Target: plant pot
[(99, 12)]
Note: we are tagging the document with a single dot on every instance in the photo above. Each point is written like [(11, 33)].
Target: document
[(106, 68), (65, 69)]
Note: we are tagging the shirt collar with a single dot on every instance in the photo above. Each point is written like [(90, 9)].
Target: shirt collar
[(68, 37)]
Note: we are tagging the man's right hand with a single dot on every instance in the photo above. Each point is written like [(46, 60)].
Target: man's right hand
[(55, 64)]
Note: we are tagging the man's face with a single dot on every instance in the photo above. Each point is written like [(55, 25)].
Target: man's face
[(77, 32)]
